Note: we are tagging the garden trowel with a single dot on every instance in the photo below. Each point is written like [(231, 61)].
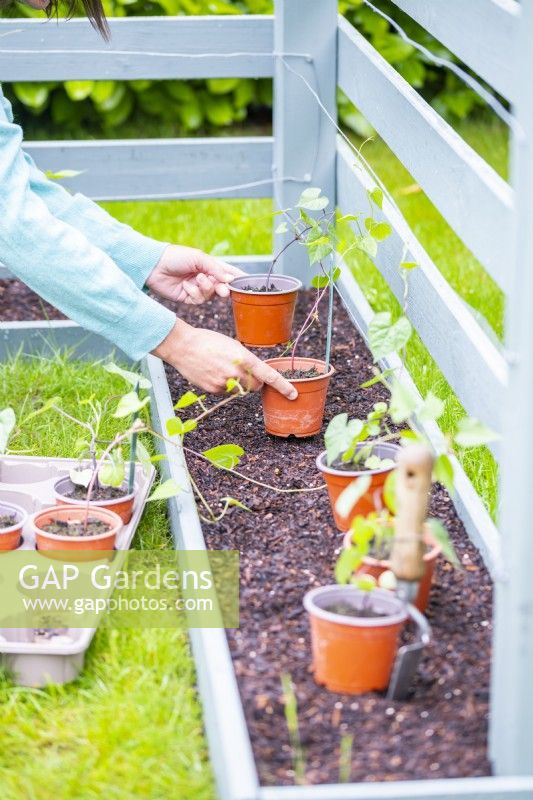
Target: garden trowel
[(413, 483)]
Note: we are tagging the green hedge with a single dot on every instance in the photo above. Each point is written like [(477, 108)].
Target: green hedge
[(178, 107)]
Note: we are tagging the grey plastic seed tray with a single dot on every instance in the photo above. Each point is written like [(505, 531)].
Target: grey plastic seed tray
[(37, 658)]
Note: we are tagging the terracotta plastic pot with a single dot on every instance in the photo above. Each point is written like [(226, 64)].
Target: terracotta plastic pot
[(10, 538), (303, 416), (51, 542), (354, 655), (337, 480), (123, 506), (264, 319), (376, 567)]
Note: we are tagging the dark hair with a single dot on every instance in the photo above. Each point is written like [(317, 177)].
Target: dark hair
[(93, 10)]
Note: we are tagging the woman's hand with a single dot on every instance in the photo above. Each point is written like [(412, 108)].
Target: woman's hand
[(187, 275), (208, 360)]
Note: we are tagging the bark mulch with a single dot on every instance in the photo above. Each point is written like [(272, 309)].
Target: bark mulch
[(288, 544)]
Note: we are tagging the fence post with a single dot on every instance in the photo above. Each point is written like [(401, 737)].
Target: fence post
[(304, 139), (511, 721)]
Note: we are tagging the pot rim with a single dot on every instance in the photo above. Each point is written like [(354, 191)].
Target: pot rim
[(113, 518), (428, 539), (313, 361), (295, 288), (354, 473), (92, 503), (21, 513), (395, 618)]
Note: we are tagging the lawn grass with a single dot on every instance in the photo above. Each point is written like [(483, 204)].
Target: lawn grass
[(243, 227), (131, 725)]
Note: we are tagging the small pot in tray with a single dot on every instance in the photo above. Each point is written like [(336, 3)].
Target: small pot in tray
[(354, 653), (303, 416), (11, 534), (123, 505), (51, 542), (264, 318), (338, 479)]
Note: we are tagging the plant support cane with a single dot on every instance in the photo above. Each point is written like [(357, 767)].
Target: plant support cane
[(413, 484)]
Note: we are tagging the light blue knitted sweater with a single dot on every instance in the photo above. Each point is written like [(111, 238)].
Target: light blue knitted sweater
[(73, 254)]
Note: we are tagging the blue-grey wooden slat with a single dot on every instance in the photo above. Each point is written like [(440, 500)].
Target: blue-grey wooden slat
[(140, 169), (478, 523), (229, 744), (304, 141), (452, 789), (511, 718), (46, 338), (470, 361), (475, 201), (482, 33), (74, 51)]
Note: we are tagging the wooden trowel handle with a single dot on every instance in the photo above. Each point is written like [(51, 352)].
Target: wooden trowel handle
[(413, 483)]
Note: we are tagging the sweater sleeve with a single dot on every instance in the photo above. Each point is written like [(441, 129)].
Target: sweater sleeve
[(135, 254), (59, 262)]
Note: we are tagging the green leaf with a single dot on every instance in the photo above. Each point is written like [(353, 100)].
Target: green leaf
[(376, 195), (443, 471), (339, 435), (431, 409), (472, 433), (144, 457), (389, 492), (232, 384), (378, 230), (408, 265), (365, 582), (78, 90), (403, 403), (130, 404), (377, 378), (81, 477), (222, 85), (282, 228), (189, 399), (440, 534), (375, 462), (113, 472), (50, 403), (177, 427), (312, 200), (63, 173), (321, 281), (224, 456), (352, 494), (168, 488), (232, 501), (132, 378), (385, 337), (368, 245), (32, 95), (349, 218), (348, 561)]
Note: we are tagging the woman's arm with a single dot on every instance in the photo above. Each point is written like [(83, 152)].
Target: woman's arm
[(61, 265)]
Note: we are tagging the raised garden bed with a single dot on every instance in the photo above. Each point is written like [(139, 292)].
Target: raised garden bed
[(288, 545)]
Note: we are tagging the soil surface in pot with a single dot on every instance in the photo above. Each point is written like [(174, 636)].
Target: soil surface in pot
[(298, 374), (346, 610), (287, 546), (359, 466), (259, 289), (7, 521), (98, 494), (94, 527)]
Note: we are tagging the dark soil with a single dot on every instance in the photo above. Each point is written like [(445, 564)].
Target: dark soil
[(17, 302), (94, 527), (299, 374), (99, 493), (7, 521), (288, 546), (259, 289)]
